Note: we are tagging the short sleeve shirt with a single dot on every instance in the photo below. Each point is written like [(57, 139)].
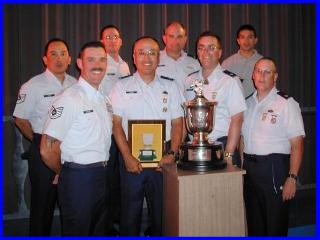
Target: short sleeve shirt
[(81, 119), (270, 124), (243, 67), (177, 70), (226, 91), (36, 95), (115, 71), (133, 99)]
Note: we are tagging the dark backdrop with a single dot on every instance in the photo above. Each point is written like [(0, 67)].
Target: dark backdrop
[(286, 32)]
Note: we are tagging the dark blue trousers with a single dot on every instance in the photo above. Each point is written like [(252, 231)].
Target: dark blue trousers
[(82, 199), (113, 189), (43, 192), (267, 214), (134, 187)]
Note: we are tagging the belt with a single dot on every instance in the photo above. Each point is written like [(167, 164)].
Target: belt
[(90, 165), (260, 158), (254, 157)]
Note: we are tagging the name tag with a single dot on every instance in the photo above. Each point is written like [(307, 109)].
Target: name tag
[(88, 111), (49, 95), (111, 74), (131, 92)]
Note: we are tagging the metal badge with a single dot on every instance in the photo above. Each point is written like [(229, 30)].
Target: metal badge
[(213, 95), (164, 100), (264, 116)]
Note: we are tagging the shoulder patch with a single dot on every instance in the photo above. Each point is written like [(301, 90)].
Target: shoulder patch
[(283, 94), (193, 73), (125, 76), (55, 112), (21, 98), (167, 78), (231, 74), (250, 95)]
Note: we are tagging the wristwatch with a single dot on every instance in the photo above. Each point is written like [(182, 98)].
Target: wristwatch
[(228, 154), (291, 175)]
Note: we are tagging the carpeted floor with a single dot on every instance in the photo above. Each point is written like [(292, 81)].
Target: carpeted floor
[(302, 218)]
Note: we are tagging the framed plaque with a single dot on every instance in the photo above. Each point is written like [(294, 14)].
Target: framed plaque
[(146, 141)]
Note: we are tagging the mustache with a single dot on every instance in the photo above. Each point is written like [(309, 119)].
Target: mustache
[(97, 69)]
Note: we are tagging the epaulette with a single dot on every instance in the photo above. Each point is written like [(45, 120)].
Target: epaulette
[(231, 74), (283, 94), (167, 78), (193, 73), (189, 55), (125, 76), (249, 95)]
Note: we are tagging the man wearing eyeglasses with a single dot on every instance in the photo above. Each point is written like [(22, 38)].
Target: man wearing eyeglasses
[(242, 62), (117, 69), (273, 135), (223, 87), (175, 64), (144, 96)]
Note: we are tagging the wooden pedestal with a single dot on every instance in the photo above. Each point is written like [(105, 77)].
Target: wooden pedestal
[(203, 204)]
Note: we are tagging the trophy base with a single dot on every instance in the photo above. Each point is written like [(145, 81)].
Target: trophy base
[(202, 158)]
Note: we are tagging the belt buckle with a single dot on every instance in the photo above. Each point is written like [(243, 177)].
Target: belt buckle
[(104, 164)]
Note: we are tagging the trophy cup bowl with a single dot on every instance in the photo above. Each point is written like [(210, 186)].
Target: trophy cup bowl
[(199, 118), (200, 154)]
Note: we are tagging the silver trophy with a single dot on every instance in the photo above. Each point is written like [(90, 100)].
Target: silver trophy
[(200, 154)]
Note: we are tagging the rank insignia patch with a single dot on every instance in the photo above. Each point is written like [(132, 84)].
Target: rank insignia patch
[(55, 112), (21, 98)]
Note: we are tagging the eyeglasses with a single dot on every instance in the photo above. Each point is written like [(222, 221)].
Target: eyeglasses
[(210, 48), (151, 53), (112, 37), (263, 71)]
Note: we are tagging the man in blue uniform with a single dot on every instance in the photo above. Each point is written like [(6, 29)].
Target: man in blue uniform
[(144, 96), (273, 135)]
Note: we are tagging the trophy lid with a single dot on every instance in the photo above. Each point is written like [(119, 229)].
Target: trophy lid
[(199, 100)]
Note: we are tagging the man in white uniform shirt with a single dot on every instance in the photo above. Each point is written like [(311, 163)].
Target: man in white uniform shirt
[(273, 135), (144, 96), (111, 38), (75, 144), (31, 111), (223, 87), (242, 62), (174, 63), (117, 69)]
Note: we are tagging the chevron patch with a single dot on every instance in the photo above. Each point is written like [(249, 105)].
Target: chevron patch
[(55, 112), (21, 98)]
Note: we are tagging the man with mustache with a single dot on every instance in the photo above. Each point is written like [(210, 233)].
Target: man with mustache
[(34, 100), (75, 144)]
